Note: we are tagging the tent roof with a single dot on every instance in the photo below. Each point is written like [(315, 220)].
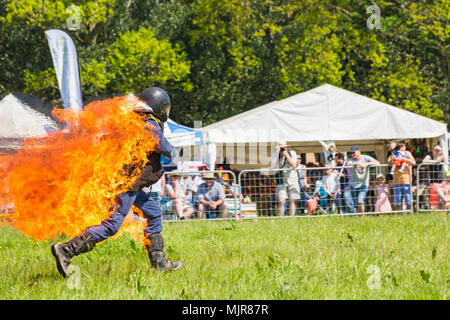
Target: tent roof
[(324, 113), (172, 127), (18, 120), (179, 135)]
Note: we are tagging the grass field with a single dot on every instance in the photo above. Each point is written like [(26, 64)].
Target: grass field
[(383, 257)]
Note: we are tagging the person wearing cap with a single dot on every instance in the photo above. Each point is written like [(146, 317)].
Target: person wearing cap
[(211, 197), (177, 192), (437, 178), (359, 182), (287, 186), (402, 178)]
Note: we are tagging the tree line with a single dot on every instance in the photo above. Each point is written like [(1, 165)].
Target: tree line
[(219, 58)]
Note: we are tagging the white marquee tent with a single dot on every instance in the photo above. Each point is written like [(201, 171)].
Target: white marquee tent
[(19, 121), (324, 113)]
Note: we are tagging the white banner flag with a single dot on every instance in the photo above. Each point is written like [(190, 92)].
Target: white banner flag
[(65, 60)]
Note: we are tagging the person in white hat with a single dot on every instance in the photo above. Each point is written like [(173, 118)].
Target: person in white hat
[(287, 186), (437, 179), (211, 198), (176, 190)]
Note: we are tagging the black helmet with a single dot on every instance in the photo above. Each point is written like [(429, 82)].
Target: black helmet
[(157, 102)]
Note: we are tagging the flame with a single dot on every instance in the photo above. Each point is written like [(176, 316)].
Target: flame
[(69, 180)]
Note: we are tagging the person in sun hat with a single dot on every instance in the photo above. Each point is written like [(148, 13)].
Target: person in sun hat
[(437, 179), (192, 182), (154, 106), (176, 190), (287, 185), (382, 191), (211, 197)]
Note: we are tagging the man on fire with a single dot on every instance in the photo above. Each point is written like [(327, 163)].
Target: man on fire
[(155, 106)]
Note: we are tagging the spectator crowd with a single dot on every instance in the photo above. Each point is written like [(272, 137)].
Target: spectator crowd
[(348, 183), (184, 196)]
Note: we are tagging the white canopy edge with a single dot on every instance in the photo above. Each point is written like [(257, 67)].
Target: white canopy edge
[(323, 113)]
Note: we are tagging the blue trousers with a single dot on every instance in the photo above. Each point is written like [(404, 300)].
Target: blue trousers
[(303, 200), (349, 205), (126, 200)]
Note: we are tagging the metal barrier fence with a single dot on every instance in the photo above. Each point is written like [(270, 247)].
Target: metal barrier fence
[(180, 200), (325, 191), (433, 187), (259, 193)]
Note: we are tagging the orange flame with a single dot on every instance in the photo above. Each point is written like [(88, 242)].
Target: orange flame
[(69, 180)]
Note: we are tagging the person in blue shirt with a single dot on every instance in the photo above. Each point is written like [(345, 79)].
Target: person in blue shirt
[(154, 105)]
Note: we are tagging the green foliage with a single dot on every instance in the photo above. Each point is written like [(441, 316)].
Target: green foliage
[(95, 78), (416, 33), (85, 16), (402, 85), (138, 58), (43, 81), (218, 58), (279, 48)]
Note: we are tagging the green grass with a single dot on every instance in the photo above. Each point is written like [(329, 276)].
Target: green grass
[(304, 258)]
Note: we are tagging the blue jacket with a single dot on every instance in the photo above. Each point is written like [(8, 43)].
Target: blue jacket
[(163, 146), (153, 170)]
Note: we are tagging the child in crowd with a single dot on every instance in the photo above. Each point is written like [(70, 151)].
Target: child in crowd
[(320, 194), (332, 187), (382, 191), (400, 157), (313, 205)]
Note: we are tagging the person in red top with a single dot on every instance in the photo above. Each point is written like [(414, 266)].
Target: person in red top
[(437, 178)]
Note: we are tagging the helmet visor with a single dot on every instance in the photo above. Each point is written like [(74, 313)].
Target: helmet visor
[(142, 107)]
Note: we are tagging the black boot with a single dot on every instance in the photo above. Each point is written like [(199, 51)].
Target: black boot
[(63, 252), (157, 257)]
